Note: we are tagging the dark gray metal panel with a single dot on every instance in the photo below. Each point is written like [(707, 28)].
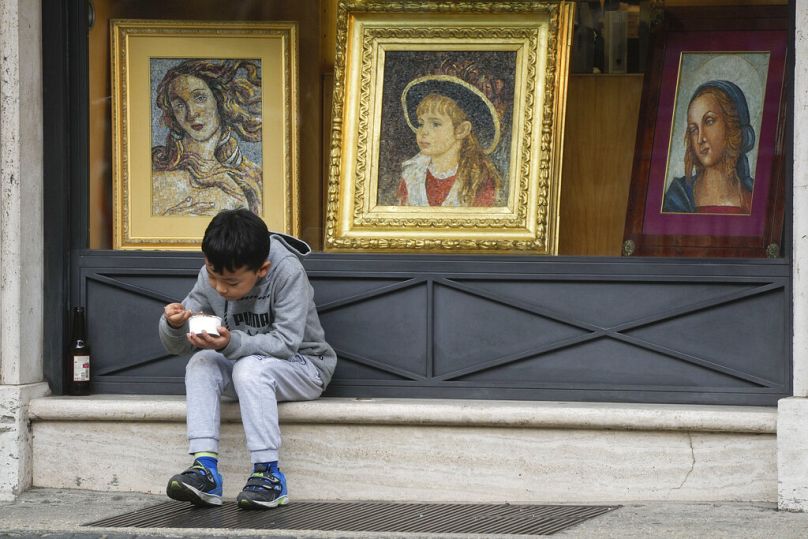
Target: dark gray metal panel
[(489, 327)]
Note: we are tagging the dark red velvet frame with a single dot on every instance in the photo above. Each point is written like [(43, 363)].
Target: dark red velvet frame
[(648, 230)]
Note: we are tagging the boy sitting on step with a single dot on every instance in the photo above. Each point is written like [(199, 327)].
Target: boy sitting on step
[(270, 347)]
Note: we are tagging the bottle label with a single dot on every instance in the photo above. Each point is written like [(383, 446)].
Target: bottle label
[(81, 368)]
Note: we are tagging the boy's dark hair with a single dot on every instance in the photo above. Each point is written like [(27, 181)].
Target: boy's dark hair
[(234, 239)]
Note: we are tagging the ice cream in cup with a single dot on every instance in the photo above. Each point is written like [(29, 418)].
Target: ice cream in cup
[(204, 322)]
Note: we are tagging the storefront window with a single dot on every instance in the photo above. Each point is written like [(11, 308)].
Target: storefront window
[(689, 157), (672, 134), (649, 158), (297, 41)]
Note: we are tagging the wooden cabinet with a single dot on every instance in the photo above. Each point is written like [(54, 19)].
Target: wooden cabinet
[(601, 126)]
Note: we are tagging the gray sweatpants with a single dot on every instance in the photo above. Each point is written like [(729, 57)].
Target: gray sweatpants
[(258, 383)]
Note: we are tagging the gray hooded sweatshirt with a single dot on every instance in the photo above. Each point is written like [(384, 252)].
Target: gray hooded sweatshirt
[(276, 319)]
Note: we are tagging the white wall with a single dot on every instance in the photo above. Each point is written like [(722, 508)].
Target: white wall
[(800, 244), (792, 418), (21, 236)]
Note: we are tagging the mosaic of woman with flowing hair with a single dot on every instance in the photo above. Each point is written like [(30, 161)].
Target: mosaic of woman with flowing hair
[(208, 107)]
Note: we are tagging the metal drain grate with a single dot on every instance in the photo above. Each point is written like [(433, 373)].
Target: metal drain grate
[(366, 517)]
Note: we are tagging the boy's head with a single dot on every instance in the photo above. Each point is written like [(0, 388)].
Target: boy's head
[(236, 246)]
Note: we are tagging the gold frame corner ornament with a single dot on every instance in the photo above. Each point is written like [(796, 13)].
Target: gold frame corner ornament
[(629, 247), (379, 41)]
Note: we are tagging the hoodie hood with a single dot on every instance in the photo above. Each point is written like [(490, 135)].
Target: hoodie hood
[(293, 244)]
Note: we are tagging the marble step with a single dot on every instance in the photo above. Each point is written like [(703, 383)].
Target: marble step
[(427, 450)]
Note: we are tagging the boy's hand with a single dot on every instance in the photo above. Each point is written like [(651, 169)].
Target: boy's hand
[(206, 341), (176, 315)]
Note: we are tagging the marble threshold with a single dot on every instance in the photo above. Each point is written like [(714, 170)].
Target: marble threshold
[(430, 412)]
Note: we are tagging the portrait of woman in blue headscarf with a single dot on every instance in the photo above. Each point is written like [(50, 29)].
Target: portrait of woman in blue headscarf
[(717, 179)]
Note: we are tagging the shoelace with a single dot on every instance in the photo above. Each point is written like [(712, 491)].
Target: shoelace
[(197, 468), (263, 481)]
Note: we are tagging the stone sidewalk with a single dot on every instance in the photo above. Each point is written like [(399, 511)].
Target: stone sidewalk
[(57, 513)]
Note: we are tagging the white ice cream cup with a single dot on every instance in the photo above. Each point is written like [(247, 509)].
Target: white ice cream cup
[(205, 322)]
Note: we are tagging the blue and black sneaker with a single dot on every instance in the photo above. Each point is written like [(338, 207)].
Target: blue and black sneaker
[(265, 489), (197, 485)]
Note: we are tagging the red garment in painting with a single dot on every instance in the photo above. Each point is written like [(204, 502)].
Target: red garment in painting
[(487, 195), (745, 209), (437, 189)]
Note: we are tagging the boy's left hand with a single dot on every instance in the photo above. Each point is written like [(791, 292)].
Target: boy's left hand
[(206, 341)]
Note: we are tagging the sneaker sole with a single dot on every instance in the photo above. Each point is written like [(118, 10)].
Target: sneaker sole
[(179, 491), (245, 503)]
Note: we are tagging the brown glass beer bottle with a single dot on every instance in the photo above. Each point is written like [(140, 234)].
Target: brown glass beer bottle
[(78, 361)]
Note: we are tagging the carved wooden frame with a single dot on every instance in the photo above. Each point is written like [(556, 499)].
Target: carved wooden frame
[(369, 34), (717, 30)]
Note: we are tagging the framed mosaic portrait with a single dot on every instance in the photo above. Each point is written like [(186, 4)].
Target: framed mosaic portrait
[(709, 166), (204, 119), (447, 126)]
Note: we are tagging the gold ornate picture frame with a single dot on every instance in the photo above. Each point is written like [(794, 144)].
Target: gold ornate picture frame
[(204, 118), (447, 126)]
